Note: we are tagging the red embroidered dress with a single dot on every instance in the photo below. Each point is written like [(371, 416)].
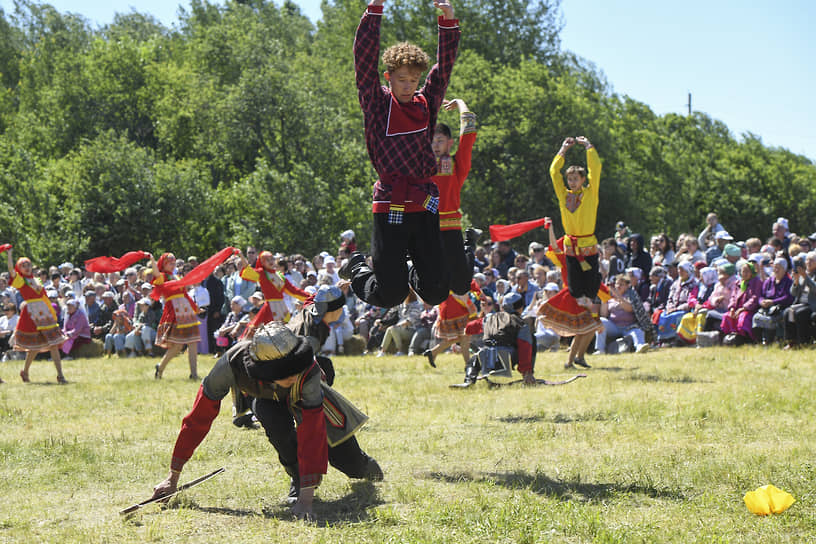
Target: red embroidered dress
[(37, 328), (454, 314), (561, 312), (179, 321), (273, 285), (452, 172)]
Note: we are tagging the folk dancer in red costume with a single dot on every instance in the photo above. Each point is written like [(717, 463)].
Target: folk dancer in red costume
[(273, 285), (562, 312), (399, 126), (309, 423), (179, 321), (454, 314), (37, 328), (451, 172)]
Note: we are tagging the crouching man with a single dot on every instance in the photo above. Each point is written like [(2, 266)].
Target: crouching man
[(508, 344), (308, 423)]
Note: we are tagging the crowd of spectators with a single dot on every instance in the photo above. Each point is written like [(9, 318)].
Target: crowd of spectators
[(700, 290)]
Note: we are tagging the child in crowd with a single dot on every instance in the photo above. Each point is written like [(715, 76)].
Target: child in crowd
[(579, 209), (399, 128)]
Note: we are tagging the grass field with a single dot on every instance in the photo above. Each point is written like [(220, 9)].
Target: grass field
[(659, 447)]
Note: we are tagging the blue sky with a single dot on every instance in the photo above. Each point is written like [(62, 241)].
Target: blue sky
[(747, 64)]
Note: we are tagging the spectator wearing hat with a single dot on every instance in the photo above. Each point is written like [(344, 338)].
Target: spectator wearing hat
[(115, 339), (105, 319), (732, 253), (91, 307), (801, 315), (721, 239), (774, 299), (538, 256), (659, 286), (76, 328), (736, 323), (622, 233), (139, 341), (717, 303), (329, 271), (348, 241), (637, 254), (682, 290), (290, 401)]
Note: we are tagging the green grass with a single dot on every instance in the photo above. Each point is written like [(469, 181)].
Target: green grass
[(659, 447)]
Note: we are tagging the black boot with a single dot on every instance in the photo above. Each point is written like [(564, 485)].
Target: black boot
[(352, 265), (373, 471), (294, 485), (471, 374)]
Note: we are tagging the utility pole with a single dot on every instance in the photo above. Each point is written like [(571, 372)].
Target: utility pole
[(689, 104)]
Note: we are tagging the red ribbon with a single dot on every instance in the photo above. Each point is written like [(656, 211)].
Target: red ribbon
[(501, 233), (5, 247), (106, 265), (196, 275)]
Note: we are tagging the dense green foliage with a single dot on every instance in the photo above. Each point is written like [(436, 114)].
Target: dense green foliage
[(240, 125)]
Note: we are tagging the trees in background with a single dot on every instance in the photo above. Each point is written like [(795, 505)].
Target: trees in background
[(241, 125)]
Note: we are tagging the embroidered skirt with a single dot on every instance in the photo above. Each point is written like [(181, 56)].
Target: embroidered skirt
[(37, 330), (562, 313), (178, 324)]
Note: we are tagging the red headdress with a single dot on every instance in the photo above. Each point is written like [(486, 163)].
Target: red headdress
[(20, 261), (262, 258), (163, 261)]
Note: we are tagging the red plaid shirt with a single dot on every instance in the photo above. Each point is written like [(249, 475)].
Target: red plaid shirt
[(404, 155)]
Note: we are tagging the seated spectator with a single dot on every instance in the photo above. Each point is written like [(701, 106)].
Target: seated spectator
[(618, 317), (401, 332), (665, 250), (737, 321), (690, 252), (139, 341), (365, 322), (722, 238), (340, 330), (677, 305), (693, 321), (659, 286), (707, 237), (801, 315), (622, 233), (76, 328), (616, 259), (8, 322), (639, 282), (115, 339), (376, 332), (546, 338), (524, 287), (637, 254), (774, 300), (717, 303), (105, 320), (421, 339), (230, 330)]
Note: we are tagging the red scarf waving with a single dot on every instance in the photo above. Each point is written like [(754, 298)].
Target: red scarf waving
[(106, 265), (501, 233), (196, 275), (5, 247)]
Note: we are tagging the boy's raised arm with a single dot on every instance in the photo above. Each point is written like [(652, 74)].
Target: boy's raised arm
[(367, 51), (436, 83)]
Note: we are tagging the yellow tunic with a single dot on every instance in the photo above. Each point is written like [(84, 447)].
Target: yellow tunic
[(579, 209)]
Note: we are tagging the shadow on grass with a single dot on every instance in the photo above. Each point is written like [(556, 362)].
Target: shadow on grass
[(350, 508), (668, 379), (563, 490), (560, 418), (613, 368)]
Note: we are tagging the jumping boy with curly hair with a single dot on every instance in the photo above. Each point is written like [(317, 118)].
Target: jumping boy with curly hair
[(399, 128)]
